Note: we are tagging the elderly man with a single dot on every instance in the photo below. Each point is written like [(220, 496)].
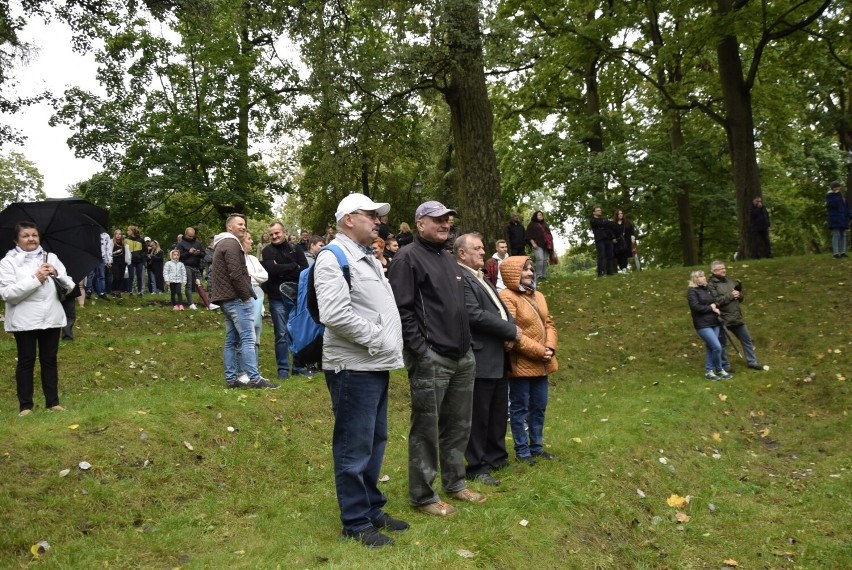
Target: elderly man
[(494, 331), (429, 291), (362, 343), (729, 295), (233, 293), (283, 262), (191, 255)]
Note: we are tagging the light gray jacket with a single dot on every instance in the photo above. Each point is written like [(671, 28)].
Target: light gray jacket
[(362, 327)]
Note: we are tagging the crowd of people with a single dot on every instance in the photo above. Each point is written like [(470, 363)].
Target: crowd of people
[(474, 335)]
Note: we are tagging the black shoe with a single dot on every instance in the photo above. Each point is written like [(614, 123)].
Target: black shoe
[(545, 455), (842, 255), (262, 383), (528, 460), (729, 369), (388, 522), (756, 366), (485, 478), (371, 538)]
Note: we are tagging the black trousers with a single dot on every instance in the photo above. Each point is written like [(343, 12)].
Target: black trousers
[(486, 448), (606, 257), (47, 342)]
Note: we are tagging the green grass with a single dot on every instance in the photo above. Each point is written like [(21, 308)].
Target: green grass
[(140, 380)]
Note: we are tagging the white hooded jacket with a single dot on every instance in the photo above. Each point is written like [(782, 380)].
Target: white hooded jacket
[(31, 305)]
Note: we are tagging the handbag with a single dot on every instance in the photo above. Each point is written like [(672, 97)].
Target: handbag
[(61, 291)]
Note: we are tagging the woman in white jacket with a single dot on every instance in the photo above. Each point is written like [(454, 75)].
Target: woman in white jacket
[(34, 313)]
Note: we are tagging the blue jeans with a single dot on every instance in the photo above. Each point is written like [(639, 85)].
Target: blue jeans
[(713, 354), (239, 353), (541, 260), (527, 401), (838, 240), (741, 332), (136, 269), (359, 401), (96, 280), (279, 312)]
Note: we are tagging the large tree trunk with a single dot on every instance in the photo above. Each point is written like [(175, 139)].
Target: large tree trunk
[(480, 203), (684, 208), (739, 127)]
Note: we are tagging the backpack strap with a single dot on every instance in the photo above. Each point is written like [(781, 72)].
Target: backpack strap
[(341, 260)]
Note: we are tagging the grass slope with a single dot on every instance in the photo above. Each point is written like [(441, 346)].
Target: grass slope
[(764, 457)]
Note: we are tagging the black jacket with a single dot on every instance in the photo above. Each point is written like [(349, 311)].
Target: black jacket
[(191, 259), (602, 229), (700, 299), (283, 262), (487, 327), (515, 236), (758, 218), (429, 291)]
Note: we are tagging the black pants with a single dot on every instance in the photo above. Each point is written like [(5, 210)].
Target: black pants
[(118, 276), (606, 257), (177, 296), (762, 246), (486, 448), (47, 341)]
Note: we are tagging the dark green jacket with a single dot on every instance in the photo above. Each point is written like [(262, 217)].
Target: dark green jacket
[(722, 289)]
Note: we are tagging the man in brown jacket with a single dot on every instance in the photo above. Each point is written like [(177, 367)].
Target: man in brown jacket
[(233, 293)]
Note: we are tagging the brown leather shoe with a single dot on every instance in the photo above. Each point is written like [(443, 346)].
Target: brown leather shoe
[(468, 495), (439, 509)]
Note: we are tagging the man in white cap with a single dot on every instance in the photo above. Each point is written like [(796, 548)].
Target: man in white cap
[(429, 290), (362, 343)]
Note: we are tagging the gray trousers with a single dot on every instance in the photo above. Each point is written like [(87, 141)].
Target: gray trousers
[(441, 407)]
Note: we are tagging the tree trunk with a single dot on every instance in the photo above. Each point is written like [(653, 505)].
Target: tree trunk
[(739, 128), (480, 203), (684, 208)]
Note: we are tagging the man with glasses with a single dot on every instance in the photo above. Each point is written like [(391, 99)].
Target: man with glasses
[(362, 343), (283, 262), (429, 289), (728, 294)]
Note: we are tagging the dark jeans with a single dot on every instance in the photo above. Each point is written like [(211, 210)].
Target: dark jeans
[(47, 341), (441, 406), (486, 448), (359, 401), (192, 273), (118, 276), (762, 245), (741, 332), (605, 257), (96, 280), (177, 296), (528, 401), (136, 270)]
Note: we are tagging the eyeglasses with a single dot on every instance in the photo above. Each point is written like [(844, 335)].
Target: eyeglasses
[(371, 215)]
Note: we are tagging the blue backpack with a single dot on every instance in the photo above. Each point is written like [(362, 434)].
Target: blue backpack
[(304, 324)]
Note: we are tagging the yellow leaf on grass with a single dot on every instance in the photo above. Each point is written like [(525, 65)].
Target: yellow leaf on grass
[(73, 426), (732, 562), (576, 440), (682, 517), (812, 414), (764, 432), (723, 397), (716, 436), (677, 501)]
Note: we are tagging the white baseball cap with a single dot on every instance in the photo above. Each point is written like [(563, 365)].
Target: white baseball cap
[(355, 202)]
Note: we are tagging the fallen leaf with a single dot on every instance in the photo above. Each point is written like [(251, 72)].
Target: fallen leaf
[(524, 522), (682, 517), (716, 436), (465, 553), (85, 465), (663, 460), (764, 432), (640, 493), (64, 472), (812, 414), (677, 501), (39, 548), (384, 479), (576, 440), (188, 445), (723, 397), (732, 562), (74, 426)]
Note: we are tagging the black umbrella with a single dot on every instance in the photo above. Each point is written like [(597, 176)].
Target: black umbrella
[(97, 213), (64, 230)]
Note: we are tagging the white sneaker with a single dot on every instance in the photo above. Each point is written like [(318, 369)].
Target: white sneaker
[(243, 378), (193, 307), (213, 307)]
